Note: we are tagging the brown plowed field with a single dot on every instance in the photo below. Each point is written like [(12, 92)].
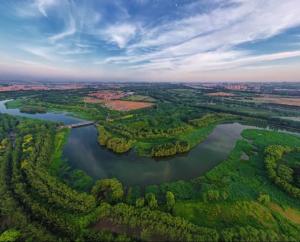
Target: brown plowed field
[(119, 105)]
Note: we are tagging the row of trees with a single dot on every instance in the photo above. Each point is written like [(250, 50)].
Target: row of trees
[(156, 224), (46, 209), (214, 195), (7, 124), (169, 149), (249, 233), (137, 132), (116, 144), (208, 119), (33, 109), (280, 174)]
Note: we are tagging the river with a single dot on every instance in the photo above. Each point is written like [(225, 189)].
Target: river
[(82, 151)]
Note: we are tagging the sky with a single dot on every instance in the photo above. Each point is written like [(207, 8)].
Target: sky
[(150, 40)]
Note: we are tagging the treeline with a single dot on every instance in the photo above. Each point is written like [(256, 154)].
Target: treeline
[(209, 119), (42, 198), (169, 149), (7, 124), (273, 121), (281, 174), (32, 193), (146, 132), (116, 144), (12, 215), (249, 233), (33, 109), (150, 224)]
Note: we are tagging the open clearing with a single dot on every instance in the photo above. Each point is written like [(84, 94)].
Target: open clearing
[(120, 105)]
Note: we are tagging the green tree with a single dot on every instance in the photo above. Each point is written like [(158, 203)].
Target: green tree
[(151, 200), (285, 172), (170, 201), (264, 198), (10, 235), (110, 190), (140, 202)]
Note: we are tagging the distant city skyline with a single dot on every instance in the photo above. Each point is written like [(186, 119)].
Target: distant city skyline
[(150, 40)]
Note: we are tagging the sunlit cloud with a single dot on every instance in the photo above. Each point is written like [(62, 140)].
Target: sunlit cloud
[(153, 40)]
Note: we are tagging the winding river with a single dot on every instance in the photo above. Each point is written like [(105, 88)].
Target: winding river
[(83, 152)]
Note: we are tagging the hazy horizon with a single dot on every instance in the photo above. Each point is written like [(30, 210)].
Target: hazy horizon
[(150, 40)]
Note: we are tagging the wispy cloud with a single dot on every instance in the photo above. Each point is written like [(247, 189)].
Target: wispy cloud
[(70, 30), (208, 40), (43, 5), (200, 37)]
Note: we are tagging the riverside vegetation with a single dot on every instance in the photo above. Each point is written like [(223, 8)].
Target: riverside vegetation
[(250, 196)]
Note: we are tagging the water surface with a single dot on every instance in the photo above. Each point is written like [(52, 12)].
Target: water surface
[(83, 152), (50, 116)]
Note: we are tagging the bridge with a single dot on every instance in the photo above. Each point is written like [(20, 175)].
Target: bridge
[(77, 125)]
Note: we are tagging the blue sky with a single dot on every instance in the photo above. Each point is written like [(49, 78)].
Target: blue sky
[(150, 40)]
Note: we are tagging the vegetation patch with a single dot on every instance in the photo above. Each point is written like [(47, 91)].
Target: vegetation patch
[(280, 173)]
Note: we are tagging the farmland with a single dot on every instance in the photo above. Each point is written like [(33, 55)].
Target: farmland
[(289, 101)]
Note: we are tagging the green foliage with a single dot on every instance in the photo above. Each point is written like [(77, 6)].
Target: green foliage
[(285, 172), (151, 201), (140, 202), (110, 190), (116, 144), (10, 235), (209, 119), (215, 195), (241, 181), (264, 198), (170, 201), (280, 174), (36, 201), (182, 190), (169, 149), (153, 224), (33, 109)]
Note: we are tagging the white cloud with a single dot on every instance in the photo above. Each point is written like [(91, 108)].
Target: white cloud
[(194, 42), (208, 41), (43, 5), (119, 34), (38, 52)]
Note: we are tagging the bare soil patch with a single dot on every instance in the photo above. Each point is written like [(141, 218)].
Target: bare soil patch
[(289, 213), (121, 105)]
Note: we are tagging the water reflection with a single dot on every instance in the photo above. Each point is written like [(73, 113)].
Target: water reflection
[(83, 152)]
